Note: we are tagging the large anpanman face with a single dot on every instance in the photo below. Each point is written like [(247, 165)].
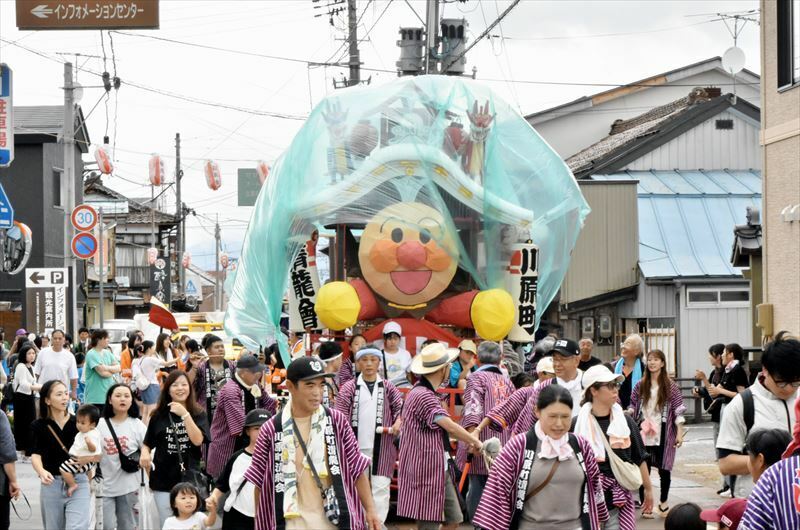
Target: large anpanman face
[(407, 254)]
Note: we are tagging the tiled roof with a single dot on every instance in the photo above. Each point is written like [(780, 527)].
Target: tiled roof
[(624, 132), (687, 219)]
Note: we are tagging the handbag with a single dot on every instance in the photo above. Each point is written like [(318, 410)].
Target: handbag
[(191, 475), (627, 474), (128, 463), (329, 502)]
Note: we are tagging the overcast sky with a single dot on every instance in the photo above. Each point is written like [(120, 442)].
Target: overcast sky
[(564, 41)]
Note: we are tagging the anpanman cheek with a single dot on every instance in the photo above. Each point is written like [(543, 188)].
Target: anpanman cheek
[(438, 259), (383, 255)]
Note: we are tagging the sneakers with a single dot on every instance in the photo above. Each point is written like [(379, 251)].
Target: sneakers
[(725, 492)]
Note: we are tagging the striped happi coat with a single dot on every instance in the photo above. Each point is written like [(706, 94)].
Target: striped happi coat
[(673, 408), (516, 411), (773, 504), (496, 508), (261, 472), (421, 476), (486, 388), (229, 424), (392, 408)]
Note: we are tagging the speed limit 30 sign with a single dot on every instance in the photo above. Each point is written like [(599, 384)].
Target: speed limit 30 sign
[(84, 217)]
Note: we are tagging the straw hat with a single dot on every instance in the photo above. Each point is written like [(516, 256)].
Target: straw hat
[(432, 358)]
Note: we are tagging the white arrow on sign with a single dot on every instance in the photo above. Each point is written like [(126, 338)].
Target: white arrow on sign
[(41, 11)]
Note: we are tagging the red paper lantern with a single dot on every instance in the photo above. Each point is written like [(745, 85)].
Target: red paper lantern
[(103, 161), (187, 260), (213, 178), (152, 255), (156, 167), (223, 260), (263, 171)]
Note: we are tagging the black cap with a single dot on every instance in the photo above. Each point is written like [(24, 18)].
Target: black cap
[(566, 347), (306, 368), (329, 351), (249, 362), (256, 418)]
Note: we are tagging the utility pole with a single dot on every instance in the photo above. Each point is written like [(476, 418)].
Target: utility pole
[(431, 36), (355, 58), (217, 289), (102, 267), (68, 141), (179, 242)]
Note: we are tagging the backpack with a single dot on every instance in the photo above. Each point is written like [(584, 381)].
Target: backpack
[(748, 409)]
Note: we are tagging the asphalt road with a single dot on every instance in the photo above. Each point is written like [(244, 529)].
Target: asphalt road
[(694, 479)]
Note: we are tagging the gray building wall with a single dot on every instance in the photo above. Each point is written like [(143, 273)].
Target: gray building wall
[(652, 301), (28, 182)]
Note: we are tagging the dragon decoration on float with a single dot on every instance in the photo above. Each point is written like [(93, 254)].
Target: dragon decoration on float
[(448, 209)]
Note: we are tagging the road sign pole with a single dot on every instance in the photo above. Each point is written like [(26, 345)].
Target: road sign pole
[(68, 141), (102, 263)]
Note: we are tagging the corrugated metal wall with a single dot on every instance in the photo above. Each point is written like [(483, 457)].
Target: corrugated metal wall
[(707, 147), (606, 255), (651, 301), (702, 327)]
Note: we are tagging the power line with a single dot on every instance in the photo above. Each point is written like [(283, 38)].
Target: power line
[(602, 35), (452, 61), (165, 93)]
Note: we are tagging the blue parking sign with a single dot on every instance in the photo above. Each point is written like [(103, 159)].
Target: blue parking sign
[(6, 117), (6, 210)]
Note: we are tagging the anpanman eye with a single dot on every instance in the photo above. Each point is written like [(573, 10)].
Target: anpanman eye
[(424, 236), (397, 235)]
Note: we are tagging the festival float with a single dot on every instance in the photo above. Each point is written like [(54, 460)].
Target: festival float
[(444, 209)]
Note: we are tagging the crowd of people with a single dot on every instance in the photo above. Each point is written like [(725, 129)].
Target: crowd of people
[(170, 434)]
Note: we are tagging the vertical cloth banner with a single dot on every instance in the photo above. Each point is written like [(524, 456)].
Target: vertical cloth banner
[(160, 282), (522, 283), (303, 287)]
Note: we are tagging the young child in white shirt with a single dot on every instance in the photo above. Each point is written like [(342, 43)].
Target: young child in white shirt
[(185, 500), (87, 442)]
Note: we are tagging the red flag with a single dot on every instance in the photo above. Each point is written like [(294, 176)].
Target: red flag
[(161, 316)]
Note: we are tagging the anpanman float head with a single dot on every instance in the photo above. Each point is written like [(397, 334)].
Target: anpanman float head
[(407, 253)]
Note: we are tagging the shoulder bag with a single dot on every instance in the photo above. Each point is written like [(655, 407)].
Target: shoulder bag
[(329, 502), (128, 463), (627, 474), (191, 475)]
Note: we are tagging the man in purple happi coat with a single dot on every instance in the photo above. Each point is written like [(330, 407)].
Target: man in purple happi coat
[(235, 399), (304, 446)]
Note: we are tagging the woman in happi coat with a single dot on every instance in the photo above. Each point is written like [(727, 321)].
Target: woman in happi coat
[(546, 479), (487, 387), (601, 417), (657, 401), (374, 406)]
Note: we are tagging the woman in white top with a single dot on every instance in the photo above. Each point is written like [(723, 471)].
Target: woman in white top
[(120, 486), (25, 388), (147, 367)]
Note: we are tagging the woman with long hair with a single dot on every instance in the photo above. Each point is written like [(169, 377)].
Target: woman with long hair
[(537, 472), (25, 388), (658, 403), (122, 430), (602, 422), (713, 405), (53, 433), (177, 430)]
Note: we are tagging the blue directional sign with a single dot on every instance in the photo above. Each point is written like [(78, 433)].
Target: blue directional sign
[(6, 117), (6, 210)]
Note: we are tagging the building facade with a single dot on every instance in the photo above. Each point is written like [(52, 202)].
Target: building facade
[(780, 141)]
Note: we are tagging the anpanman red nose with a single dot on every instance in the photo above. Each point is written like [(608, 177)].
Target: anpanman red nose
[(411, 255)]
